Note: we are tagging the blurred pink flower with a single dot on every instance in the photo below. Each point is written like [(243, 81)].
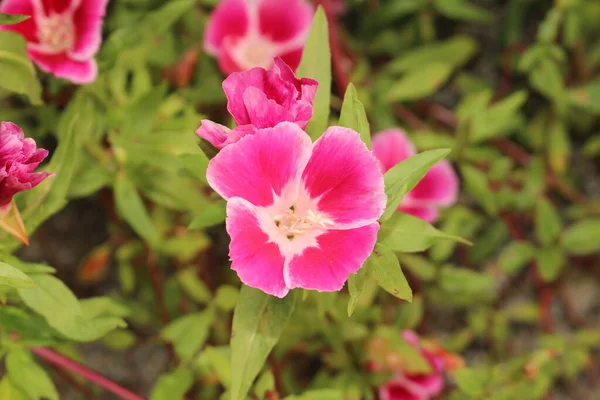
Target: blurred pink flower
[(438, 188), (404, 386), (18, 159), (243, 34), (261, 99), (299, 214), (63, 36)]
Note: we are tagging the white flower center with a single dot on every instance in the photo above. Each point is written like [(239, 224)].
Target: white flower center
[(255, 51), (56, 32), (291, 223)]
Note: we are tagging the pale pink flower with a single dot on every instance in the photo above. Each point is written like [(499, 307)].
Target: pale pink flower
[(63, 36), (300, 215), (261, 98), (438, 188), (405, 386), (243, 34), (18, 158)]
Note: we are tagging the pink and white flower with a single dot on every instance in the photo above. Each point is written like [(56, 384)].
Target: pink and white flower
[(300, 215), (18, 159), (63, 36), (243, 34), (261, 98), (438, 188), (405, 386)]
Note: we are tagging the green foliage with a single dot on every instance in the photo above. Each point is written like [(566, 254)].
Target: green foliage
[(18, 73)]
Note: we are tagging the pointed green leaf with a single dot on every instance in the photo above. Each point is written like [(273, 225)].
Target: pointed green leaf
[(404, 176), (353, 115), (477, 185), (12, 276), (356, 284), (316, 64), (10, 19), (462, 10), (514, 256), (10, 391), (383, 267), (18, 74), (258, 321), (420, 82), (550, 261), (173, 386), (24, 372), (582, 238), (188, 333), (547, 222)]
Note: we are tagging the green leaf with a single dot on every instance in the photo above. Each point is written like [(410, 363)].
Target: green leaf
[(12, 276), (264, 384), (316, 64), (226, 297), (193, 286), (18, 74), (466, 282), (11, 19), (318, 394), (383, 267), (353, 115), (582, 238), (10, 391), (558, 146), (188, 333), (455, 52), (258, 321), (587, 96), (408, 234), (550, 261), (53, 300), (462, 10), (132, 209), (419, 82), (514, 256), (28, 376), (472, 381), (420, 266), (212, 214), (356, 284), (477, 185), (173, 386), (404, 176), (547, 222), (498, 119)]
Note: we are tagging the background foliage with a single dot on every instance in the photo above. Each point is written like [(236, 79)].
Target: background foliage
[(127, 271)]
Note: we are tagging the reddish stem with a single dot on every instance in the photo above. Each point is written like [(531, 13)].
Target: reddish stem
[(85, 372)]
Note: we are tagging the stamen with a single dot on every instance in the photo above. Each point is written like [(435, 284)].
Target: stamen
[(291, 224)]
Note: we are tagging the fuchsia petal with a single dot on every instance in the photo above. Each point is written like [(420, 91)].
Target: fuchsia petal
[(327, 267), (229, 19), (263, 112), (293, 58), (392, 146), (281, 21), (88, 20), (346, 177), (439, 186), (235, 86), (220, 136), (27, 28), (258, 264), (80, 72), (397, 391), (260, 165), (58, 6)]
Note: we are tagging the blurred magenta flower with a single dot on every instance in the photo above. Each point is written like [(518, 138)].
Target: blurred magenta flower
[(243, 34), (438, 188), (404, 386), (63, 36), (300, 215), (261, 99), (18, 158)]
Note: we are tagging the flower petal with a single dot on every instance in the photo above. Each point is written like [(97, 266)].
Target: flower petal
[(346, 177), (262, 111), (258, 263), (79, 72), (293, 58), (229, 19), (59, 6), (392, 146), (260, 165), (282, 21), (339, 253), (88, 20), (220, 136), (439, 186), (396, 390), (27, 28)]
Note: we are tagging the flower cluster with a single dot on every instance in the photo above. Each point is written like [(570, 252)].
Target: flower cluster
[(243, 34), (62, 36)]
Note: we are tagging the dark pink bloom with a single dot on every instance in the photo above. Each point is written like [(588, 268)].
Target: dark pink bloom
[(261, 99), (406, 386), (439, 187), (299, 214), (243, 34), (18, 159), (63, 36)]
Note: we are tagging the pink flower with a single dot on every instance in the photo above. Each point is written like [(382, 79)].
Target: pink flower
[(18, 159), (299, 214), (261, 99), (63, 36), (405, 386), (438, 188), (249, 33)]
